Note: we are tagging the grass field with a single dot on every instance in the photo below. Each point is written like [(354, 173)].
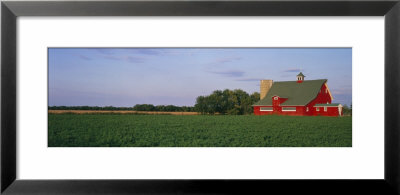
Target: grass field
[(134, 130)]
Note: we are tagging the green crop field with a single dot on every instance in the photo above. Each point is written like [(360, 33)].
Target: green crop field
[(130, 130)]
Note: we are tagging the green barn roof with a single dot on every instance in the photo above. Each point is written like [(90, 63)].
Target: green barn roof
[(298, 94)]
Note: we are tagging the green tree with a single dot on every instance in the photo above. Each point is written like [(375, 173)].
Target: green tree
[(347, 111), (232, 102)]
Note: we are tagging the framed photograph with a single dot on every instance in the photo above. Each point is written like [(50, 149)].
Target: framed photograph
[(216, 97), (201, 92)]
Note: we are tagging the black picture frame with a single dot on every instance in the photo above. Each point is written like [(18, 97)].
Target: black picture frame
[(11, 10)]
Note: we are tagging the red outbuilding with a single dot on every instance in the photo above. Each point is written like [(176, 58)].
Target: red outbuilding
[(300, 97)]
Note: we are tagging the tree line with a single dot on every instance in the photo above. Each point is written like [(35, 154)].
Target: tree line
[(137, 107), (165, 108)]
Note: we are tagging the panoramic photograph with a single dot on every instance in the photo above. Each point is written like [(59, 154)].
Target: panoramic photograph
[(199, 97)]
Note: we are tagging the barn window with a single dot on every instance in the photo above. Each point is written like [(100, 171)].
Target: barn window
[(293, 109), (265, 109), (326, 90), (275, 98), (325, 108), (307, 109), (317, 109)]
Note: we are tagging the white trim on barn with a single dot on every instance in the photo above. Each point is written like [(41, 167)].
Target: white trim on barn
[(266, 109), (288, 109), (330, 94)]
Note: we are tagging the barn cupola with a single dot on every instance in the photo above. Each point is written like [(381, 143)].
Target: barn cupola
[(300, 77)]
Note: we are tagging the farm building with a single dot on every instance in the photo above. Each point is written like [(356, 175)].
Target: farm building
[(299, 97)]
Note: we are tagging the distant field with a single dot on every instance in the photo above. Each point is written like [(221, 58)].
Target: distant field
[(133, 130), (117, 112)]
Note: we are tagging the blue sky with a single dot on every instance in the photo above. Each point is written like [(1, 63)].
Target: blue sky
[(163, 76)]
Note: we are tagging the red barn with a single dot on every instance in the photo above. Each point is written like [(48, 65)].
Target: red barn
[(300, 97)]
